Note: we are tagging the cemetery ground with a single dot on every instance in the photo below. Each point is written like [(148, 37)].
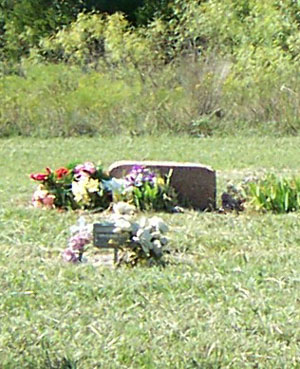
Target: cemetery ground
[(229, 298)]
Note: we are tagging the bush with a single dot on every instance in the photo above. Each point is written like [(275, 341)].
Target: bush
[(56, 100), (23, 23), (26, 21)]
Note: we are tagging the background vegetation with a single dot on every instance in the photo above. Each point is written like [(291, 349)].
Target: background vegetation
[(199, 67)]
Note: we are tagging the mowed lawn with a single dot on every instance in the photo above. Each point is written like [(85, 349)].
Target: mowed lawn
[(229, 298)]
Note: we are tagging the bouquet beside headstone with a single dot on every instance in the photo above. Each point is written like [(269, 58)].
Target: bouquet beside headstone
[(80, 186)]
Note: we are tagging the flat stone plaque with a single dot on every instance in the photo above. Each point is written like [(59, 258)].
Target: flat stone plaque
[(105, 238), (194, 183), (103, 233)]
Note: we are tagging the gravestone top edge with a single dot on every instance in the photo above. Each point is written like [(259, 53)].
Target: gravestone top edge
[(167, 164)]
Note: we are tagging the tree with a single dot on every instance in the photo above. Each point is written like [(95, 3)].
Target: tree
[(24, 22)]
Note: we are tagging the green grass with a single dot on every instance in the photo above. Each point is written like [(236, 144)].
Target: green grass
[(228, 299)]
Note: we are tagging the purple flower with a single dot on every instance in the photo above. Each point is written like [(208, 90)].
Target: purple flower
[(78, 241), (138, 168), (70, 256), (150, 177), (138, 176)]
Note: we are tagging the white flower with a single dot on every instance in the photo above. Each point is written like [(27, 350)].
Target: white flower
[(123, 208), (82, 227), (115, 185), (143, 237), (122, 225), (80, 192), (156, 235), (144, 234), (143, 222), (158, 224), (157, 248)]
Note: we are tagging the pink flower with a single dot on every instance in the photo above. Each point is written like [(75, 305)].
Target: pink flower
[(70, 256), (42, 198), (48, 201), (88, 168), (78, 241)]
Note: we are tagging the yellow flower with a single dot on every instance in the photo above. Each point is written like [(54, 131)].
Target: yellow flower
[(82, 188), (80, 192), (92, 185), (160, 181)]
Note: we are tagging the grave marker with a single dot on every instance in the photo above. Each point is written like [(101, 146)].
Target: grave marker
[(105, 238), (194, 183)]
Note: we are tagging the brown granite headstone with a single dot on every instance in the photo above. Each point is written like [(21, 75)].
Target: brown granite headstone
[(195, 184)]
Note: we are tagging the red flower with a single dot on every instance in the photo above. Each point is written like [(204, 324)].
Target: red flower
[(61, 172), (40, 176)]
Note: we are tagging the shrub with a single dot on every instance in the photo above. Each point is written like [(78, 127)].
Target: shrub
[(97, 41), (111, 77), (26, 21)]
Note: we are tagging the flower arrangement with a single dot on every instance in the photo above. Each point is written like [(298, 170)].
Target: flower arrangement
[(145, 243), (81, 235), (86, 186), (77, 186), (142, 241), (146, 190)]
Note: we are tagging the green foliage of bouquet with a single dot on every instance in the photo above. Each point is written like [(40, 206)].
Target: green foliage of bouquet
[(78, 186), (276, 194)]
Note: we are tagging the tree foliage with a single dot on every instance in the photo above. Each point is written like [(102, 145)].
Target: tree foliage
[(24, 22)]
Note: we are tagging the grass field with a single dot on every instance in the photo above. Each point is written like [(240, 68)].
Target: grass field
[(230, 297)]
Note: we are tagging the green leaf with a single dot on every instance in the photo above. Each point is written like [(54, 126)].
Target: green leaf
[(286, 202)]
